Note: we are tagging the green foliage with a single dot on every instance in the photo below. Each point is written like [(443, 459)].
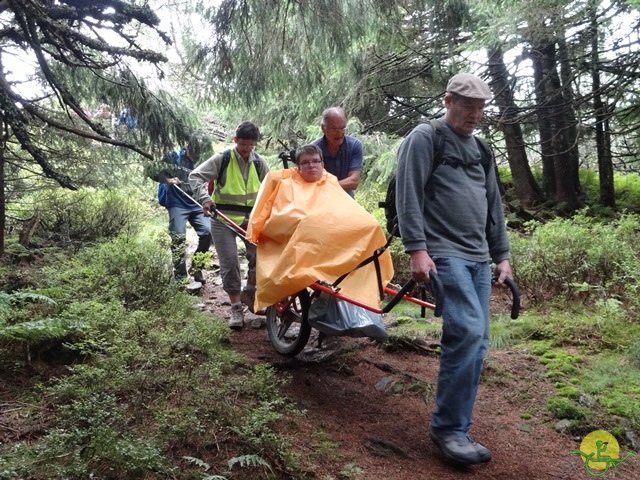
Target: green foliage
[(20, 299), (160, 376), (633, 354), (91, 436), (38, 331), (627, 188), (17, 330), (579, 258), (134, 270), (17, 250), (285, 88), (379, 159), (615, 384), (607, 379), (568, 392), (88, 215), (201, 260), (501, 335), (561, 361), (350, 472), (245, 461)]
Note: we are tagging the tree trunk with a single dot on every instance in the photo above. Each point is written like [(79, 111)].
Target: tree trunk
[(526, 188), (544, 126), (603, 134), (566, 74), (554, 130), (3, 209)]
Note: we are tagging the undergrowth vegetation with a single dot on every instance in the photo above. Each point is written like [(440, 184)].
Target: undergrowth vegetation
[(145, 385), (139, 374), (85, 215)]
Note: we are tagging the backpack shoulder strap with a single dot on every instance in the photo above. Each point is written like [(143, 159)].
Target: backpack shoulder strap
[(222, 174), (485, 153), (259, 167), (487, 161), (438, 143)]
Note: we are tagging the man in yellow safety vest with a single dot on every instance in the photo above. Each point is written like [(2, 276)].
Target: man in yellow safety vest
[(236, 175)]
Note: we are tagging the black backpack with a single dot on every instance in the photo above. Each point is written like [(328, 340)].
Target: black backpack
[(389, 204)]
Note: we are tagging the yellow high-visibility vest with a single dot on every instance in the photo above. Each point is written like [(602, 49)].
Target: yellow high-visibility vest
[(235, 191)]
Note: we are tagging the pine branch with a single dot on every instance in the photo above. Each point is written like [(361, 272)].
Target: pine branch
[(18, 123)]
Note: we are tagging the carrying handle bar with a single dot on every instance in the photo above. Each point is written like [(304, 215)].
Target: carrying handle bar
[(435, 288), (515, 295)]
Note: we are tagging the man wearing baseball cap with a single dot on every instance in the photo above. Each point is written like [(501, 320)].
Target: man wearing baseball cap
[(452, 223)]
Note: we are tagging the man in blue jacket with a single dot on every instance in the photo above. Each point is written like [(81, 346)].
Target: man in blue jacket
[(174, 193)]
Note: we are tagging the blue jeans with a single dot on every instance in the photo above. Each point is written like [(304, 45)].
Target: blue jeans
[(178, 218), (465, 339)]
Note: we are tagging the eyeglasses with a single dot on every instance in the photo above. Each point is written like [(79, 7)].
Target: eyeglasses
[(310, 162), (337, 130)]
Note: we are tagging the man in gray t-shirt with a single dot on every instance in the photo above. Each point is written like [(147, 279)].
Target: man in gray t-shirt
[(455, 227)]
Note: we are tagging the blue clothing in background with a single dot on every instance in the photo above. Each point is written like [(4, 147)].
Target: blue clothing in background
[(181, 206), (348, 158)]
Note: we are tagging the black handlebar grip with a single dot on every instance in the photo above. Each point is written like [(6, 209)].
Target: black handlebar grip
[(515, 295), (437, 291)]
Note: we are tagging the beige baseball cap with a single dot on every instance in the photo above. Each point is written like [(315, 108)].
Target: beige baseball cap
[(469, 85)]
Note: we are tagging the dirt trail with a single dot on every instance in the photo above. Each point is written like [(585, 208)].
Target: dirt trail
[(376, 404)]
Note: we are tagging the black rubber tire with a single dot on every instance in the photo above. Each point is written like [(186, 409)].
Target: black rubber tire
[(277, 325)]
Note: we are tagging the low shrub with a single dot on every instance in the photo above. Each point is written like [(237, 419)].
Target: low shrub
[(134, 270), (580, 258), (89, 215)]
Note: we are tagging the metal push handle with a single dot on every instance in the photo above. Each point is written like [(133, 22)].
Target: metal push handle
[(435, 288)]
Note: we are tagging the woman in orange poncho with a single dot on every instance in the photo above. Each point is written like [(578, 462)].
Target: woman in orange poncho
[(308, 228)]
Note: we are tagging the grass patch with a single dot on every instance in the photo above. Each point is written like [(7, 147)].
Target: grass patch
[(405, 320), (615, 384)]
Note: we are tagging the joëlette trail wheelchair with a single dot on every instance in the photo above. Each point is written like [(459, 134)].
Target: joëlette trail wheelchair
[(288, 322)]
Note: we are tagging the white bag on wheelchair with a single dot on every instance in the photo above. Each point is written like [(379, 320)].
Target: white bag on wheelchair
[(336, 317)]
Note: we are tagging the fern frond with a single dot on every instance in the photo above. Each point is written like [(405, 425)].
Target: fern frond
[(200, 463), (248, 461), (40, 330), (30, 297)]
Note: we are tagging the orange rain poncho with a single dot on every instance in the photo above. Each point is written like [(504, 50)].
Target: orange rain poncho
[(308, 231)]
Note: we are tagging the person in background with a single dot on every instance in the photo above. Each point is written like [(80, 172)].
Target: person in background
[(237, 175), (172, 174), (292, 207), (457, 230), (342, 153)]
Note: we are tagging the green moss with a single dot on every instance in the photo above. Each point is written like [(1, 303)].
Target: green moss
[(565, 408), (569, 392)]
